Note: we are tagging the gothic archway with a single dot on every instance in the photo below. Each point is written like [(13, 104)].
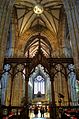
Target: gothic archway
[(38, 49), (70, 14)]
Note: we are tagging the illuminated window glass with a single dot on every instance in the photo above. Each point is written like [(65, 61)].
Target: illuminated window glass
[(39, 85)]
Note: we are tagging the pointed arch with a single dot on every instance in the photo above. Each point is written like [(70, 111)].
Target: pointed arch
[(39, 58)]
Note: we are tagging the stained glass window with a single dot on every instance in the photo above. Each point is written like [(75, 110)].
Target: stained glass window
[(39, 85)]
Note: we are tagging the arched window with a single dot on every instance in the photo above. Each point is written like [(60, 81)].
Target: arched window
[(39, 85)]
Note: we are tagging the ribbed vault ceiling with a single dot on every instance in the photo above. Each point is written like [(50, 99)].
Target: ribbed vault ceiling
[(27, 18)]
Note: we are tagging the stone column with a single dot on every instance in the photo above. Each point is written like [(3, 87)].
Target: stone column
[(15, 33), (73, 24), (61, 31), (5, 16)]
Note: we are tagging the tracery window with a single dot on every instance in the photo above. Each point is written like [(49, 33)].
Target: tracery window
[(39, 85)]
